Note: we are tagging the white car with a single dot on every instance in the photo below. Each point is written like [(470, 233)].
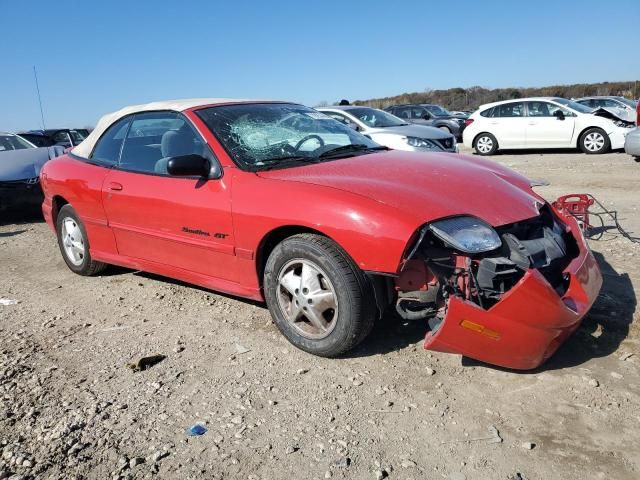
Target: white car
[(543, 122), (393, 132)]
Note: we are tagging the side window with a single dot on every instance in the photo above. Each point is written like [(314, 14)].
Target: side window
[(515, 109), (418, 113), (488, 112), (154, 138), (403, 113), (62, 138), (539, 109), (107, 150)]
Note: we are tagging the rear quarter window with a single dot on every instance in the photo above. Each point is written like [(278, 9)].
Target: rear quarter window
[(488, 112)]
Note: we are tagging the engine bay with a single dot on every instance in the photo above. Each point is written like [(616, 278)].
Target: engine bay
[(434, 271)]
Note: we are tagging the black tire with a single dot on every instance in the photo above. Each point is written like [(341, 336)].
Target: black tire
[(486, 140), (584, 143), (356, 306), (87, 266)]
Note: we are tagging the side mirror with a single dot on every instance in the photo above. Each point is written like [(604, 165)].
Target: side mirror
[(192, 165), (559, 114), (353, 126)]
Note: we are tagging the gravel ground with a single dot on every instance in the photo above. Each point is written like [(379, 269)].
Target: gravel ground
[(70, 408)]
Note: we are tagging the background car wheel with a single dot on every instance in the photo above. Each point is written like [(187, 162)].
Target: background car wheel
[(595, 141), (74, 244), (319, 298), (445, 129), (485, 144)]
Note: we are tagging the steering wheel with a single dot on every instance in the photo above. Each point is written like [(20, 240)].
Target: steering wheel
[(307, 138)]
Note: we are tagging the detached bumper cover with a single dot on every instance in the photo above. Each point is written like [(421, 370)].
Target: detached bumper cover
[(529, 323)]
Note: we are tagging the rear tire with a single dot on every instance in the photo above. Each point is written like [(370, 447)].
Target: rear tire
[(74, 243), (485, 144), (318, 297), (594, 141)]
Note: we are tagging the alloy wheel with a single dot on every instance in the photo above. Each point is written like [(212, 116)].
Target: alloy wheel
[(307, 298), (72, 241)]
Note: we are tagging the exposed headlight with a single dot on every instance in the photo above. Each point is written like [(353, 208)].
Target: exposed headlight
[(466, 234), (422, 143)]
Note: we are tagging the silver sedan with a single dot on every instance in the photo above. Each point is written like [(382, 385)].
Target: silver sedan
[(393, 132)]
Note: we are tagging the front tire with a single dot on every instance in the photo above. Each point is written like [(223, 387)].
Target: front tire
[(318, 297), (485, 144), (74, 243), (594, 141)]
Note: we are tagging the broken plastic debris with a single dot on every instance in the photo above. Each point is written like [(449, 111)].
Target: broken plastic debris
[(196, 430), (8, 301), (494, 437), (240, 349), (145, 362)]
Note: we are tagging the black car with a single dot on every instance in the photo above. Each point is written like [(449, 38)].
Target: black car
[(431, 115), (64, 137)]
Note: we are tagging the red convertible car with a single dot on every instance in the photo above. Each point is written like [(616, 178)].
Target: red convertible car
[(275, 201)]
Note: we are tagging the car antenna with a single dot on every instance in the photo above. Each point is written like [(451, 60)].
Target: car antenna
[(35, 75)]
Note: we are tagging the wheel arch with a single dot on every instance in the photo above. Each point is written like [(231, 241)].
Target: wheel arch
[(272, 238), (57, 202), (483, 132), (584, 130)]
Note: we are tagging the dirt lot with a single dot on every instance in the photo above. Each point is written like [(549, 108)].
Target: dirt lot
[(70, 408)]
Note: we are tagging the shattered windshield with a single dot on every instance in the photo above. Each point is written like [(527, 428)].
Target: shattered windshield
[(257, 135), (375, 118)]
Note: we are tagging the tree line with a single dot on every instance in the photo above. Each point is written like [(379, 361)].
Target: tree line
[(471, 98)]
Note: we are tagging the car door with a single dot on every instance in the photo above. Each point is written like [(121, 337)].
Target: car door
[(549, 125), (508, 124), (182, 222)]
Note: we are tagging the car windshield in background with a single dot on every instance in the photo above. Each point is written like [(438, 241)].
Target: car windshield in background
[(626, 101), (76, 136), (578, 107), (268, 134), (375, 118), (13, 142), (438, 111)]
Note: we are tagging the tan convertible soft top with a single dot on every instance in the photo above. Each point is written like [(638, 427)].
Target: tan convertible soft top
[(86, 147)]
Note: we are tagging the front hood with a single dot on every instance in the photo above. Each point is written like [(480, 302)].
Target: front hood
[(615, 114), (419, 131), (427, 185), (24, 164)]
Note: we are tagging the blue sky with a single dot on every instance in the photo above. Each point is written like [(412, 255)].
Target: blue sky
[(95, 57)]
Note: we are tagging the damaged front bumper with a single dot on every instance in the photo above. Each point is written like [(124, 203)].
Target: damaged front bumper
[(524, 325)]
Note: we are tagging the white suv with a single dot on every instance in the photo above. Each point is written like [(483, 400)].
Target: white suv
[(543, 123)]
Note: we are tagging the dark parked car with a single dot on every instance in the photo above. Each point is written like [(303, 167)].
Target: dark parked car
[(20, 164), (431, 115), (47, 138)]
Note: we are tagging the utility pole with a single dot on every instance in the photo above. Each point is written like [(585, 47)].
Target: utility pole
[(35, 75)]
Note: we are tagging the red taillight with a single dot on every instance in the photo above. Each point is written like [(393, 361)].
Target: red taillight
[(638, 112), (468, 122)]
